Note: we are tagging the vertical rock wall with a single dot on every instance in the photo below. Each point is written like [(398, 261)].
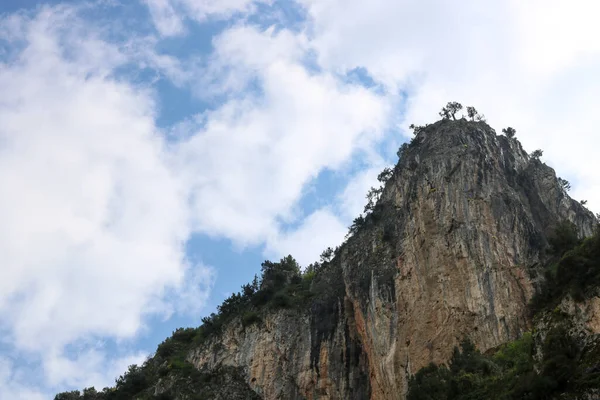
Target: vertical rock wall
[(452, 250)]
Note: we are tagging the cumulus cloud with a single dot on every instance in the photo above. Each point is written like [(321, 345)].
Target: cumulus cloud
[(95, 218), (256, 152), (242, 57), (305, 243), (98, 205)]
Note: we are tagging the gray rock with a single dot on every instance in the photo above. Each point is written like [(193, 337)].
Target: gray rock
[(452, 250)]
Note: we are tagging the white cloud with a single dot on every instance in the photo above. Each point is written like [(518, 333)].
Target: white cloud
[(95, 218), (244, 54), (191, 297), (353, 199), (167, 20), (256, 153), (90, 367), (327, 226), (318, 231), (555, 35), (169, 15), (399, 41), (202, 9), (531, 65), (97, 206), (13, 384)]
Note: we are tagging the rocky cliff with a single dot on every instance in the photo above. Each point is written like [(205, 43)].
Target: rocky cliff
[(453, 249)]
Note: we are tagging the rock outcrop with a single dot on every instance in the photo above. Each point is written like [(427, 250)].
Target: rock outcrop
[(452, 249)]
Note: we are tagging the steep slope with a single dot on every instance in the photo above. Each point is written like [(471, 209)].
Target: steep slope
[(453, 249), (558, 359)]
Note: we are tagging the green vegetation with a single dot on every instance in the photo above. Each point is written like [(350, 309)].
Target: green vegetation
[(509, 132), (564, 184), (450, 110), (282, 285), (373, 196), (564, 238), (574, 268), (385, 175), (417, 128), (566, 367), (471, 375), (403, 148), (357, 225), (250, 317), (536, 154), (508, 373), (474, 115), (471, 112)]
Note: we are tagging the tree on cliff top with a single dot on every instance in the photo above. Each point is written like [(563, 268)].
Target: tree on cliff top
[(536, 154), (450, 110), (564, 184), (509, 132)]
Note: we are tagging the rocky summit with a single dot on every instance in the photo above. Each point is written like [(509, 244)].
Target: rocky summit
[(458, 255)]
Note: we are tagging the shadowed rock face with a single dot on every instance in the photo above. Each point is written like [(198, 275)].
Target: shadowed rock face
[(452, 250)]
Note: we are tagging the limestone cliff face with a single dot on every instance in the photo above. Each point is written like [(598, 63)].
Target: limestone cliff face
[(452, 250)]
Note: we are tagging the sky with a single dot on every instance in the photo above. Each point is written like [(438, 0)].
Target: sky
[(154, 152)]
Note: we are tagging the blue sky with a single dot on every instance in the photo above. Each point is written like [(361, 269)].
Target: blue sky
[(154, 152)]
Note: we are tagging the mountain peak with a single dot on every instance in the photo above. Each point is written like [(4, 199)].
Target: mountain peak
[(452, 247)]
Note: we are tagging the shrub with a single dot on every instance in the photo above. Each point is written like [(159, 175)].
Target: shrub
[(516, 356), (402, 150), (564, 184), (509, 132), (507, 374), (249, 318), (184, 335), (167, 348), (326, 255), (430, 383), (132, 382), (563, 238), (560, 357), (262, 297), (73, 395), (357, 224), (281, 300), (385, 175), (388, 233), (277, 275), (536, 155)]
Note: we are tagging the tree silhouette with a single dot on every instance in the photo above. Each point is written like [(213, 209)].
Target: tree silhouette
[(450, 110), (536, 154), (472, 113), (564, 184), (509, 132)]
